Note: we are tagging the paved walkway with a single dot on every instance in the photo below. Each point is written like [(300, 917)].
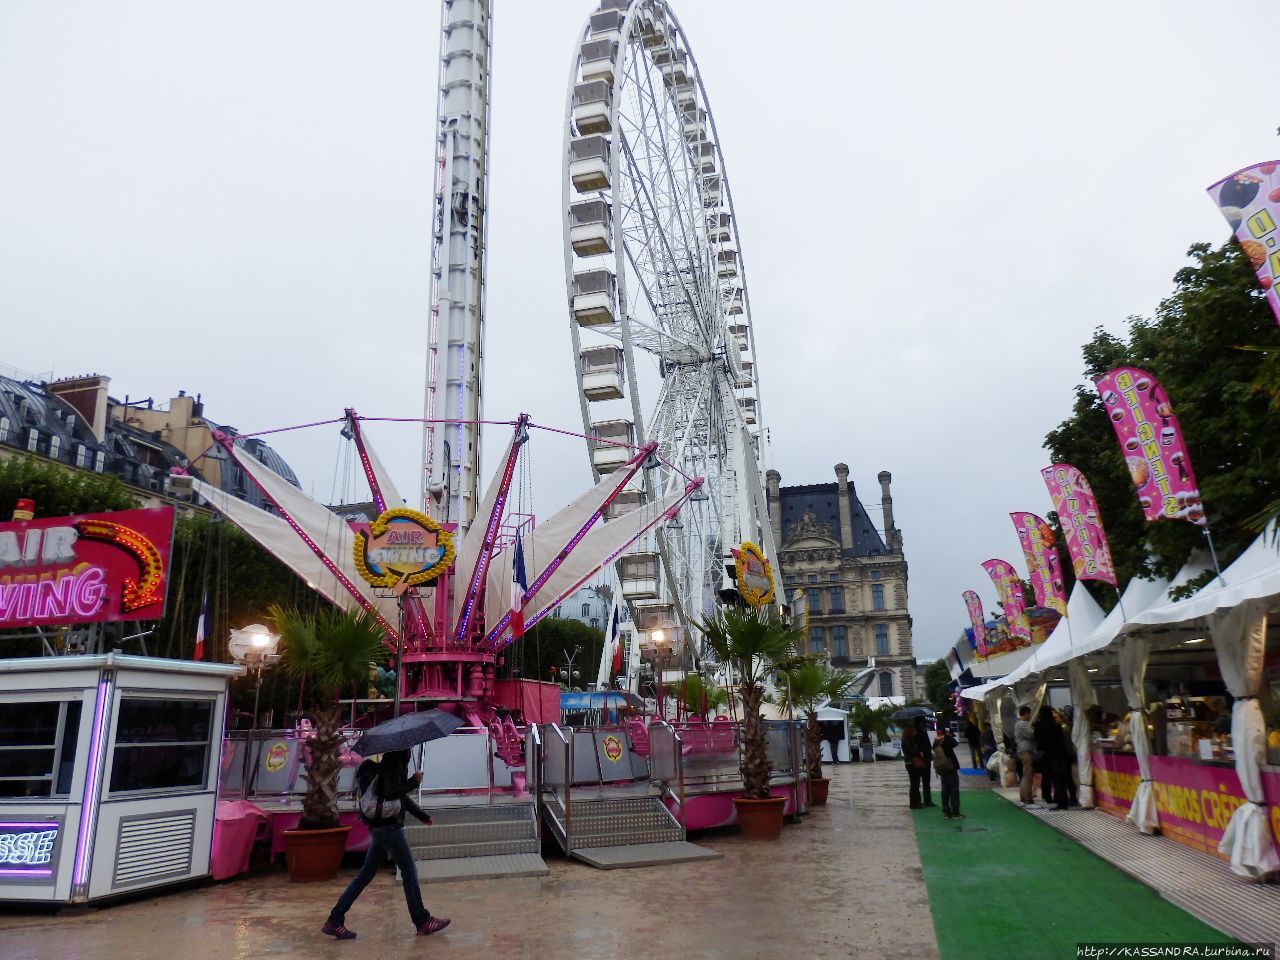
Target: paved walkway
[(845, 882), (1201, 884)]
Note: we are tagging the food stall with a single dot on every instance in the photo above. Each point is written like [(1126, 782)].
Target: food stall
[(108, 774)]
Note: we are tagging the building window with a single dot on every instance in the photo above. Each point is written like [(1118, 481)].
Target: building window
[(886, 684), (82, 455), (882, 639), (55, 446), (33, 439), (5, 427), (877, 596), (814, 598), (595, 623), (161, 744), (586, 609), (875, 574), (836, 595), (32, 764), (839, 643), (812, 578), (99, 460), (817, 639)]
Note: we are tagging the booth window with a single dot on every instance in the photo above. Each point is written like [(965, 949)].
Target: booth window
[(161, 744), (38, 747)]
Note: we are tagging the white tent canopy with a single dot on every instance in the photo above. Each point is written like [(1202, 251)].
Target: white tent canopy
[(1084, 616)]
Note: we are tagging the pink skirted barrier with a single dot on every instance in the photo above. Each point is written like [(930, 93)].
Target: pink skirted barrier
[(357, 839), (235, 825)]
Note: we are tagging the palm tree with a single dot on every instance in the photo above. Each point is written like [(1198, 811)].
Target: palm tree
[(697, 695), (752, 644), (810, 683), (330, 651), (871, 720)]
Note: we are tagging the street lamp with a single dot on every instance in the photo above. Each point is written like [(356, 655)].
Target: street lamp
[(254, 648)]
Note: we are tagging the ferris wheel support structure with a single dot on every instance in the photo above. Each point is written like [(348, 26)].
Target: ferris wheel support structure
[(659, 313)]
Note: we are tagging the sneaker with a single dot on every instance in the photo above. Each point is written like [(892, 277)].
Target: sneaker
[(434, 925), (946, 816), (930, 803), (338, 931)]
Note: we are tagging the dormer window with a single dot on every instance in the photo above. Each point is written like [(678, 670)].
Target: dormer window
[(82, 456), (99, 461), (55, 447), (6, 429), (33, 439)]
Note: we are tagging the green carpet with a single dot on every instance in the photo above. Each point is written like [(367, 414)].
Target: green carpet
[(1002, 884)]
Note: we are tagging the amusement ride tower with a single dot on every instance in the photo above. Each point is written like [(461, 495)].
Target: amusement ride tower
[(455, 355)]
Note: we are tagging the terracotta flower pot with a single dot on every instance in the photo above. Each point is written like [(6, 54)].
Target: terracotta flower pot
[(760, 819), (818, 787), (314, 854)]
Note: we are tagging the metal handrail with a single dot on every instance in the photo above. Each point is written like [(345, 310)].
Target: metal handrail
[(566, 799), (533, 761)]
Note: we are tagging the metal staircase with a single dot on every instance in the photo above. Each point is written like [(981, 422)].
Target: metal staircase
[(622, 832), (479, 841)]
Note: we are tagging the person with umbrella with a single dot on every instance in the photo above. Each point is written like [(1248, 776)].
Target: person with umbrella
[(384, 789)]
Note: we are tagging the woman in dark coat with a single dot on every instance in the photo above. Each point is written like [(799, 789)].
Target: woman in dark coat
[(1053, 763)]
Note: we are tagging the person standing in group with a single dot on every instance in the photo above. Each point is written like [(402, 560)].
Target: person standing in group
[(383, 791), (926, 753), (1024, 743), (913, 757), (973, 736), (947, 764)]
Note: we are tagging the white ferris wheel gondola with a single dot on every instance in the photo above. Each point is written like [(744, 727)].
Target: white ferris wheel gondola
[(659, 312)]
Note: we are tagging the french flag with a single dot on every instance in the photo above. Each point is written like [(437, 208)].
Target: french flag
[(519, 585), (616, 640), (202, 625)]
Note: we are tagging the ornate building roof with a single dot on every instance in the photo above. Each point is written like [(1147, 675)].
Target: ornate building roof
[(814, 509)]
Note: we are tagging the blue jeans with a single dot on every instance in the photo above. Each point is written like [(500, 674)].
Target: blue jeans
[(950, 792), (384, 840)]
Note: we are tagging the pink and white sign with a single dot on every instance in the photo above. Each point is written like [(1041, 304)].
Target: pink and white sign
[(1151, 444), (1009, 587), (1250, 200), (976, 619), (88, 568), (1041, 552), (1078, 516)]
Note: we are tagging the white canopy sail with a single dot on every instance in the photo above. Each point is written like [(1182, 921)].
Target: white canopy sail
[(328, 531)]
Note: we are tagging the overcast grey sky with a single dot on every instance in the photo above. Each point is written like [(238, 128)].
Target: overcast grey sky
[(938, 203)]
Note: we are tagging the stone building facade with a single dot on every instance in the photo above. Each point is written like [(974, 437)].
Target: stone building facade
[(853, 579), (75, 424)]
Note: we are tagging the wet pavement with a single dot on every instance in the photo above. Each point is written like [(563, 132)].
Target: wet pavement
[(845, 881)]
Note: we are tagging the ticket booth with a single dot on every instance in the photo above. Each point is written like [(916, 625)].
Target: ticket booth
[(108, 774)]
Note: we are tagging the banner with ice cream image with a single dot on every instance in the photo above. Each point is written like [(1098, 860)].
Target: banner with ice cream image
[(1250, 200), (1041, 552), (1009, 586), (977, 620), (1151, 444), (1078, 516)]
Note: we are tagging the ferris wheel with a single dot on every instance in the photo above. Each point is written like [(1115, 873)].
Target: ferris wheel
[(659, 315)]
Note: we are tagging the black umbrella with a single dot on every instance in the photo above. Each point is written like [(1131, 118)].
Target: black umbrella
[(910, 713), (405, 731)]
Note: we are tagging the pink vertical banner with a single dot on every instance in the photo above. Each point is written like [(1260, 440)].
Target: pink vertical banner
[(977, 620), (1009, 587), (1078, 516), (1250, 200), (1151, 444), (1041, 552)]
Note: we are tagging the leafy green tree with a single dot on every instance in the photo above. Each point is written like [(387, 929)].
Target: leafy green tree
[(59, 491), (937, 679), (1197, 345), (550, 643)]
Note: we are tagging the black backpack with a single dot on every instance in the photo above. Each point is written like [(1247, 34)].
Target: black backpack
[(369, 799)]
